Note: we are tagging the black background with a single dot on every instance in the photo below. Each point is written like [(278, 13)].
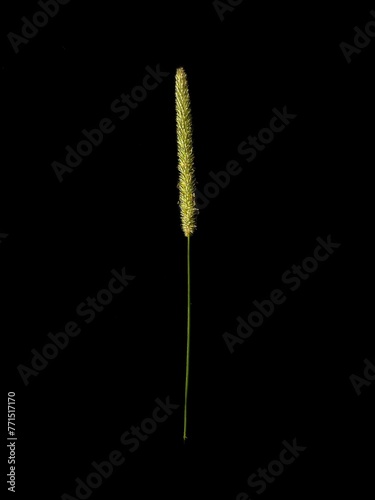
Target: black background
[(119, 208)]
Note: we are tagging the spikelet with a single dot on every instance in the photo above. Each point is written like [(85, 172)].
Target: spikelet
[(186, 184)]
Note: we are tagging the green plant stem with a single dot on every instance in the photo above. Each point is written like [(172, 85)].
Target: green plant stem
[(188, 337)]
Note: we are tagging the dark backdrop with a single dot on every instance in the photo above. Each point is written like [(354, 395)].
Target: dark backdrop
[(288, 381)]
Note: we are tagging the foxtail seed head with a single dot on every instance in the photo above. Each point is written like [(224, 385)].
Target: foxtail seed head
[(186, 183)]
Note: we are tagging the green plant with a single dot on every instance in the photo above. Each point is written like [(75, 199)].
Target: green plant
[(186, 186)]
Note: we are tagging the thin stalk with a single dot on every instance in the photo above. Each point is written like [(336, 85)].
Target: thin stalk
[(188, 338)]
